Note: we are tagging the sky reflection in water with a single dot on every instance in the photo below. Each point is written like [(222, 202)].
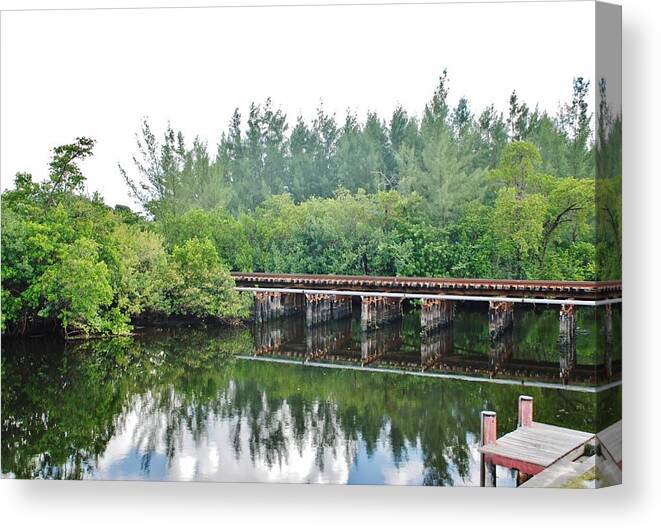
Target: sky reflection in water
[(181, 406)]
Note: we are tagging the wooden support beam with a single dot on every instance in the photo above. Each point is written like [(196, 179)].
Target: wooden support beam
[(567, 323), (270, 305), (436, 313), (364, 312), (340, 306), (376, 311), (322, 307), (567, 341), (608, 323), (525, 411), (257, 316), (529, 468), (488, 435), (309, 310)]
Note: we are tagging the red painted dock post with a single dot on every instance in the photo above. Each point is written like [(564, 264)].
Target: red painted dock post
[(488, 435), (525, 411)]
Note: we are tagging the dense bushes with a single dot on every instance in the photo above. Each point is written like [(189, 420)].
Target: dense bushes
[(72, 260)]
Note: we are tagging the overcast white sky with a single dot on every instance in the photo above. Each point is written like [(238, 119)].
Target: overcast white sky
[(96, 73)]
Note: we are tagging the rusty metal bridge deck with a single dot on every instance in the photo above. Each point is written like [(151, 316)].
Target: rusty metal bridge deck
[(586, 290)]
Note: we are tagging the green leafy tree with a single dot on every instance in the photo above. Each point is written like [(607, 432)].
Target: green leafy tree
[(536, 215), (225, 231), (609, 189), (77, 290), (202, 286), (65, 175)]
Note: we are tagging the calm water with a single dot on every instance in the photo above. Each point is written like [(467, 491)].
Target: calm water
[(190, 405), (529, 352)]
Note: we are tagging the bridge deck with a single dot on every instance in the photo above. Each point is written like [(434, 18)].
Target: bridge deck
[(489, 287)]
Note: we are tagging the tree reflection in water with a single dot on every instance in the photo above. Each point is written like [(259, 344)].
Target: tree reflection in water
[(180, 405)]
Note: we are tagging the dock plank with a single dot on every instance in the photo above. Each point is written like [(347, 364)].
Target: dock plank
[(538, 444), (560, 473), (611, 439)]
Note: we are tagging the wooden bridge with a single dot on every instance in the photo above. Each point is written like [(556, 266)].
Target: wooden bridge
[(328, 297), (424, 287)]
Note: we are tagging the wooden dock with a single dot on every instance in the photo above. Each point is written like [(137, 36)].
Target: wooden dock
[(604, 468), (530, 449), (610, 439), (566, 473)]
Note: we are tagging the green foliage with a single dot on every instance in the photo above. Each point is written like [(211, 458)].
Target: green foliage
[(71, 263), (455, 193), (537, 217), (609, 190), (287, 195), (384, 233), (76, 289), (201, 285), (440, 173), (519, 166), (218, 225), (65, 175), (518, 229), (142, 270)]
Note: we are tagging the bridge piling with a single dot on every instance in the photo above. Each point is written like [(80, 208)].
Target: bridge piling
[(488, 436), (567, 341), (375, 311), (436, 313), (320, 308), (608, 325), (272, 305), (260, 306), (311, 309), (501, 318), (341, 306), (567, 324), (324, 306)]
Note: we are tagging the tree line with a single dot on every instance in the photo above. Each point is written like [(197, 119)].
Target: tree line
[(452, 193)]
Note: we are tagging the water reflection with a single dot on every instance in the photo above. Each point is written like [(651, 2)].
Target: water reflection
[(500, 351), (269, 336), (327, 339), (376, 344), (435, 347), (182, 406), (532, 350)]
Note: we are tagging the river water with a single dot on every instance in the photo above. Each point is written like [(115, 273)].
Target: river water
[(286, 403)]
